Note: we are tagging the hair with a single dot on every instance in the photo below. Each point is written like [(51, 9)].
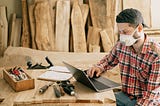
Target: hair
[(131, 16)]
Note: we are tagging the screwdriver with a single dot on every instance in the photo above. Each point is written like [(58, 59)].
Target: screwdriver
[(44, 88), (56, 91)]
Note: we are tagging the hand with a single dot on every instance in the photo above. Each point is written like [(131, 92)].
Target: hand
[(94, 72)]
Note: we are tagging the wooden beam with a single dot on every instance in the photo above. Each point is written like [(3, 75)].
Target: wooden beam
[(62, 25)]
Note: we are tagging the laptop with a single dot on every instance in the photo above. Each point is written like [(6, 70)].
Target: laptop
[(98, 84)]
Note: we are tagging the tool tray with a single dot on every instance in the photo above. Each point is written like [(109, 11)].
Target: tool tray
[(18, 85)]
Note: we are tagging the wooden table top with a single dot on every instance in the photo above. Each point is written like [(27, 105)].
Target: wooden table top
[(85, 95), (14, 57)]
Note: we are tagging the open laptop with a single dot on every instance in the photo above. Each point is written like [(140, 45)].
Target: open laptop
[(98, 84)]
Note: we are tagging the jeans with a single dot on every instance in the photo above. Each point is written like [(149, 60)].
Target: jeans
[(123, 100)]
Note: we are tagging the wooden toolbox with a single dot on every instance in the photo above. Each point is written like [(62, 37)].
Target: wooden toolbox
[(18, 85)]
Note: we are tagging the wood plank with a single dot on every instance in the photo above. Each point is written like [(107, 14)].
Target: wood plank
[(62, 25), (12, 28), (79, 40), (31, 6), (109, 29), (143, 6), (115, 8), (3, 30), (79, 2), (85, 10), (17, 37), (98, 13), (44, 29), (52, 5), (26, 37), (106, 42), (94, 48), (93, 37)]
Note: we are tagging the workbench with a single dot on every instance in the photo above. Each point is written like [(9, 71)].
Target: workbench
[(85, 96)]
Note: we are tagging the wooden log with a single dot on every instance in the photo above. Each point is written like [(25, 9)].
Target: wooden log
[(62, 25), (26, 37), (93, 37), (44, 29), (106, 42), (79, 40), (3, 30)]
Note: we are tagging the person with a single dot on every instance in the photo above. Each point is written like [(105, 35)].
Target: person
[(138, 58)]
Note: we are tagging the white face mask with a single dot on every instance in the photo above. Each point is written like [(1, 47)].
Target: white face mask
[(128, 39)]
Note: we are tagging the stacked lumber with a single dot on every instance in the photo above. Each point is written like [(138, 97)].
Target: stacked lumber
[(65, 25)]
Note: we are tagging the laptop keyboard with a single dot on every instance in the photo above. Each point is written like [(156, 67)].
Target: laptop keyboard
[(99, 85)]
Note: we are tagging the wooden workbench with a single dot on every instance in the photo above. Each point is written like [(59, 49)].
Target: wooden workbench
[(85, 96)]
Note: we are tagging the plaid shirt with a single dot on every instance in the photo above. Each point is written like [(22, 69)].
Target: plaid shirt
[(140, 73)]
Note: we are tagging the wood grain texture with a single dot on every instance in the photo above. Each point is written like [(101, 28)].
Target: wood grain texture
[(17, 35), (79, 40), (106, 42), (3, 30), (62, 25), (31, 6), (98, 13), (93, 37), (85, 10), (44, 30), (26, 37)]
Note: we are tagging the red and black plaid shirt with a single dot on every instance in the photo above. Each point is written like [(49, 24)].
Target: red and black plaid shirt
[(140, 73)]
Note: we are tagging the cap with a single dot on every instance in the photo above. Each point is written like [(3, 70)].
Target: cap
[(132, 16)]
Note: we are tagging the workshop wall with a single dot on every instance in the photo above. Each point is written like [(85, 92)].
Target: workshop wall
[(13, 6)]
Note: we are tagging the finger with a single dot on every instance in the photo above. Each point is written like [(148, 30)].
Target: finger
[(98, 73), (92, 72), (88, 71)]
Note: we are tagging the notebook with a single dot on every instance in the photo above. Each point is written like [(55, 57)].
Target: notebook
[(56, 73), (98, 84)]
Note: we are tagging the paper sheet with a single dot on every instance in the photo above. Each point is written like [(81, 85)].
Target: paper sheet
[(56, 73)]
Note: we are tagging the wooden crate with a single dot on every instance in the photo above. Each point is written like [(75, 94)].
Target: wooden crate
[(18, 85)]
